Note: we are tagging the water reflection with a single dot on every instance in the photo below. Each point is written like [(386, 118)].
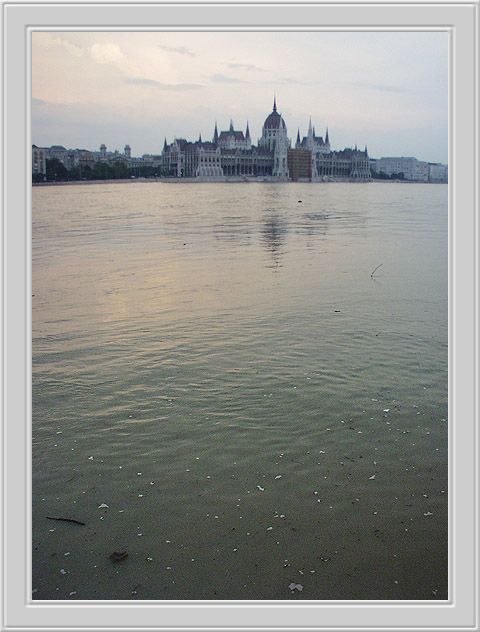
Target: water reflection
[(272, 237)]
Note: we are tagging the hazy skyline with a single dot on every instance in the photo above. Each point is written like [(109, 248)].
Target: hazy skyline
[(387, 90)]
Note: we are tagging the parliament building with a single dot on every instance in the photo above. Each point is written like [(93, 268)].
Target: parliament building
[(231, 155)]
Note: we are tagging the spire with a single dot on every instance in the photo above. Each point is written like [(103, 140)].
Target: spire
[(310, 127), (165, 144), (366, 152), (200, 137), (215, 134), (231, 125), (314, 131), (326, 137), (298, 136), (247, 133), (274, 103)]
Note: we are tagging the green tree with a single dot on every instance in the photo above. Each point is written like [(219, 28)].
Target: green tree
[(56, 170)]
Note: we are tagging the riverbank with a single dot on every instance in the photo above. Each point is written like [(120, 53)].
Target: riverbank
[(227, 180)]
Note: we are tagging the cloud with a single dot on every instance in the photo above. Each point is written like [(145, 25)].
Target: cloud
[(107, 54), (39, 101), (162, 86), (247, 67), (224, 79), (178, 49)]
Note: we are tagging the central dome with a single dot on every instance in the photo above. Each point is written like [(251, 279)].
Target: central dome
[(274, 120)]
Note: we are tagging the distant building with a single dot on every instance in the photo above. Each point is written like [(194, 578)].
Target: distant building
[(232, 154), (58, 152), (232, 139), (437, 172), (351, 164), (39, 163), (411, 169)]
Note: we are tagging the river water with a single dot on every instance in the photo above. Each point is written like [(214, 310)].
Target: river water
[(223, 391)]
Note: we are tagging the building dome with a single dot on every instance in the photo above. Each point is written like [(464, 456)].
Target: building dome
[(274, 120)]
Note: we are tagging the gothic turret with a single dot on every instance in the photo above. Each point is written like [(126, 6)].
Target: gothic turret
[(215, 134)]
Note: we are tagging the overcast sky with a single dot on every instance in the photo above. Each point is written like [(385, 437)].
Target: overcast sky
[(387, 90)]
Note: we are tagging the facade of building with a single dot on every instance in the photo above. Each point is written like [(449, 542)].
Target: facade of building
[(437, 172), (39, 162), (348, 164), (411, 169), (232, 154), (299, 162)]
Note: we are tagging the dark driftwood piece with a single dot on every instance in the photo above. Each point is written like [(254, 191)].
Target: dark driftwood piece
[(66, 520)]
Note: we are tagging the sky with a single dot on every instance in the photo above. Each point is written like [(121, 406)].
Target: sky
[(386, 90)]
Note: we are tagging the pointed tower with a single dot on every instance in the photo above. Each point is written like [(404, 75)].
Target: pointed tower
[(298, 142), (314, 131), (231, 126), (274, 103), (200, 137), (215, 134), (248, 140), (165, 144), (366, 151), (327, 142), (310, 142)]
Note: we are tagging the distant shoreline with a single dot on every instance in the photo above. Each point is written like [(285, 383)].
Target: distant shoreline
[(227, 181)]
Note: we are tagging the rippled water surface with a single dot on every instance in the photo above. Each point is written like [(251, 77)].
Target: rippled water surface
[(223, 391)]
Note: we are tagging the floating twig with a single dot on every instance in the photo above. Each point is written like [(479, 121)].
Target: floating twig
[(66, 520), (380, 264)]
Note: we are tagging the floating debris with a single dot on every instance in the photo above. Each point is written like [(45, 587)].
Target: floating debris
[(370, 478), (102, 505), (118, 556), (294, 586), (262, 489), (279, 476), (66, 520), (429, 513)]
